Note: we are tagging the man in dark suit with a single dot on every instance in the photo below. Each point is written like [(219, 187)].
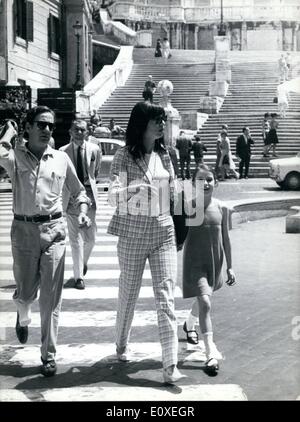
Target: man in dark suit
[(243, 151), (184, 145)]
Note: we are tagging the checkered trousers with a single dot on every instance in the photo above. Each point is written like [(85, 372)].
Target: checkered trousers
[(158, 246)]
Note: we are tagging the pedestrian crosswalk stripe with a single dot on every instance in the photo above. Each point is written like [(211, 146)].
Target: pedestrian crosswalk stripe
[(115, 394), (104, 238), (6, 275), (202, 392), (97, 248), (97, 260), (91, 318), (6, 222), (99, 230), (91, 353), (107, 292), (94, 260)]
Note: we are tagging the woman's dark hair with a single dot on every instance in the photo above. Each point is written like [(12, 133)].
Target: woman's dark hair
[(203, 167), (35, 111), (139, 118)]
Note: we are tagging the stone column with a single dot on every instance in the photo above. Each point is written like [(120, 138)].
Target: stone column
[(244, 36), (288, 38), (178, 32), (196, 37), (219, 87), (186, 37), (279, 31), (215, 30), (295, 30), (172, 35)]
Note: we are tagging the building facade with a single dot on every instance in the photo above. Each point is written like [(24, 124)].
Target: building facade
[(192, 24), (38, 46)]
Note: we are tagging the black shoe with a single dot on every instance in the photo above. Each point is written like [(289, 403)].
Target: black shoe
[(48, 368), (191, 335), (70, 283), (79, 284), (212, 367), (22, 332), (85, 268)]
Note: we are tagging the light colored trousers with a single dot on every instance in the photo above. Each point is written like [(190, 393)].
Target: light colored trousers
[(157, 245), (82, 241), (38, 262)]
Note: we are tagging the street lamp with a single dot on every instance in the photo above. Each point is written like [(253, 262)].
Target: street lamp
[(222, 28), (77, 31)]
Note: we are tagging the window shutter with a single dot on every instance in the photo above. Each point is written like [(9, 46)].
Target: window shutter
[(52, 34), (15, 19), (49, 35), (29, 21), (58, 36)]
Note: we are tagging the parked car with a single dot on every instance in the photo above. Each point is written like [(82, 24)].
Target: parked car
[(108, 146), (286, 172)]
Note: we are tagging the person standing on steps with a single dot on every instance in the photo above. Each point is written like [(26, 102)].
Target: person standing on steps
[(272, 138), (158, 51), (149, 89), (86, 158), (198, 149), (226, 164), (243, 152), (184, 146), (265, 131), (166, 52), (218, 150), (38, 173)]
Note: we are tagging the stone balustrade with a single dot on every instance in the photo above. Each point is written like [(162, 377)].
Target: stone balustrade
[(118, 29), (106, 81), (132, 11)]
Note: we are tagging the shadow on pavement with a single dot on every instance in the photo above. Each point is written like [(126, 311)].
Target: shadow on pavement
[(108, 372)]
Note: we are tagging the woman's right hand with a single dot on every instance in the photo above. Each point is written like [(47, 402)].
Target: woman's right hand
[(142, 189)]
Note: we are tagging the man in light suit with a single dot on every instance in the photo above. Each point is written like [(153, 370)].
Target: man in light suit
[(243, 151), (86, 158)]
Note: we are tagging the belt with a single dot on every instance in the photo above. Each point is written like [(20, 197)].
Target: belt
[(37, 218)]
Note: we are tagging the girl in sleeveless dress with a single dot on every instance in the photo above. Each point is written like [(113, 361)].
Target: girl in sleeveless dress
[(203, 257)]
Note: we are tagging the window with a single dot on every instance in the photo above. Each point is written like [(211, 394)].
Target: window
[(23, 19), (53, 35)]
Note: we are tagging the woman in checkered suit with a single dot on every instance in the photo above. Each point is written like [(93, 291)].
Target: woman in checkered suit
[(141, 188)]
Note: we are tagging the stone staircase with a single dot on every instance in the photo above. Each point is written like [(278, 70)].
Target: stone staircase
[(250, 95), (187, 89)]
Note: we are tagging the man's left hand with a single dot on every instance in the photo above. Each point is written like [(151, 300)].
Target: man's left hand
[(84, 220)]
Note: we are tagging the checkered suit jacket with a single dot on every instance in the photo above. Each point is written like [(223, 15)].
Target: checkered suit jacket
[(128, 169)]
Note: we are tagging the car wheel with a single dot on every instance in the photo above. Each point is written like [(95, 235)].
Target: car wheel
[(292, 181)]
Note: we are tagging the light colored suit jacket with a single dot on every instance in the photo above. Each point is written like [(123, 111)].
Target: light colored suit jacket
[(123, 223), (93, 163)]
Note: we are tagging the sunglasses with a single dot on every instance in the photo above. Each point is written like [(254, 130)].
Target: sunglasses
[(43, 125), (78, 129)]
